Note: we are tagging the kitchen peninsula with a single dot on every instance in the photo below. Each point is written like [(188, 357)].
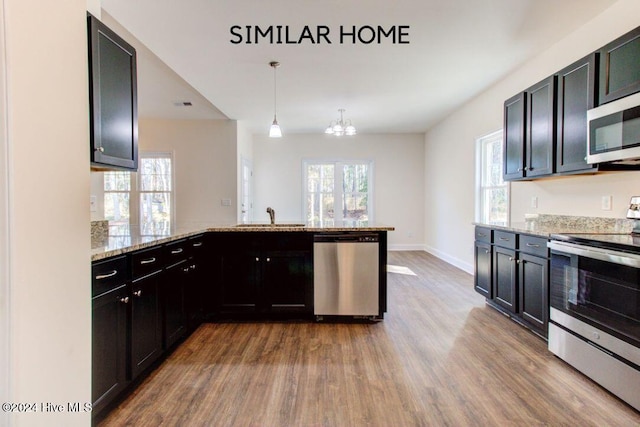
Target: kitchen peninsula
[(151, 291)]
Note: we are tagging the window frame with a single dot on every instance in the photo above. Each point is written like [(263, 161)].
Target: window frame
[(140, 192), (338, 163), (135, 191), (480, 188)]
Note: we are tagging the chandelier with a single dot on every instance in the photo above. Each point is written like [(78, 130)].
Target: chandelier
[(340, 127)]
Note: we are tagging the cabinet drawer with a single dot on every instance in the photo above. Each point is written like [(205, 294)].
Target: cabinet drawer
[(505, 239), (175, 252), (146, 261), (108, 274), (533, 245), (196, 245), (483, 234)]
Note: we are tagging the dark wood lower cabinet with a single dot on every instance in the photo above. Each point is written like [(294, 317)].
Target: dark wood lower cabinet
[(266, 275), (534, 290), (505, 278), (109, 346), (175, 320), (512, 272), (146, 322), (287, 281), (482, 278)]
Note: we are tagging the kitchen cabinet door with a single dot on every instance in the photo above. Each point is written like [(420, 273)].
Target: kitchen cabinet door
[(108, 346), (195, 293), (288, 281), (514, 137), (175, 321), (239, 281), (505, 278), (619, 74), (146, 322), (534, 289), (576, 94), (113, 104), (540, 129), (483, 269)]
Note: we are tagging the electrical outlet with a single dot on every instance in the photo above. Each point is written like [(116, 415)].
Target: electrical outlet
[(606, 203), (225, 202), (534, 202), (93, 204)]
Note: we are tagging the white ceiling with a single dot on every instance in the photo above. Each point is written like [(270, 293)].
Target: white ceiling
[(457, 49)]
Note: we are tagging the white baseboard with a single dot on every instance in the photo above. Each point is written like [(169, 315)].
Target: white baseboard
[(416, 247), (456, 262)]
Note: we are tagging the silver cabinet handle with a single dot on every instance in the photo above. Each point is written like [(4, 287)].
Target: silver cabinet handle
[(104, 276), (487, 251), (511, 258), (138, 293), (533, 245), (148, 261), (177, 251), (99, 149), (506, 239), (197, 244), (124, 300), (481, 235)]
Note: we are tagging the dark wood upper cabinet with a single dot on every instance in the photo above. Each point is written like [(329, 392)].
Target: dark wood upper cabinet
[(619, 68), (529, 132), (541, 126), (514, 136), (113, 104), (576, 95)]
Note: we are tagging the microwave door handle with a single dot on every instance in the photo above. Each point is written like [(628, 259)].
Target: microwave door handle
[(615, 257)]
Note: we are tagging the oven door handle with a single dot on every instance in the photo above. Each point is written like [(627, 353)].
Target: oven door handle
[(616, 257)]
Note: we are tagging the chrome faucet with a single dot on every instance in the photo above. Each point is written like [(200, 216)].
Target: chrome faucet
[(272, 215)]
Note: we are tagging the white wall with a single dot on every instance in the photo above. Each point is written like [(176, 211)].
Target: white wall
[(48, 183), (449, 155), (398, 177), (205, 165)]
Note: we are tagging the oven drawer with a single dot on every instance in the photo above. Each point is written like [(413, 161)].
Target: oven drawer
[(534, 245), (505, 239)]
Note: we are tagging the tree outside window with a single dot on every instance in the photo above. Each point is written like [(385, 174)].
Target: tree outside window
[(337, 191)]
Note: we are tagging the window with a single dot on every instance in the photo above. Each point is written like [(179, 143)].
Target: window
[(338, 191), (492, 192), (152, 190)]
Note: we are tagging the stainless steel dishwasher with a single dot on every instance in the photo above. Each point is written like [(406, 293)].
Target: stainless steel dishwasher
[(346, 274)]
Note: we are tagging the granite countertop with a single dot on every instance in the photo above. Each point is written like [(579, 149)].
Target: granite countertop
[(545, 225), (124, 238)]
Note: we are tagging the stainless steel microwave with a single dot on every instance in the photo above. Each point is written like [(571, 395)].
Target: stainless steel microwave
[(614, 132)]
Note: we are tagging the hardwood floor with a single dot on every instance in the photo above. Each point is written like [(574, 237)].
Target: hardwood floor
[(440, 358)]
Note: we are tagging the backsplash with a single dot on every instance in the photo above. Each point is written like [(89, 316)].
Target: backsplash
[(99, 232), (594, 224)]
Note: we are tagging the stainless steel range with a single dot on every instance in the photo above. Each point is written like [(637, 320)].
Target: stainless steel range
[(595, 308)]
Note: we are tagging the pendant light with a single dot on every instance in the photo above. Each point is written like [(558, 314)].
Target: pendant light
[(274, 130), (341, 127)]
